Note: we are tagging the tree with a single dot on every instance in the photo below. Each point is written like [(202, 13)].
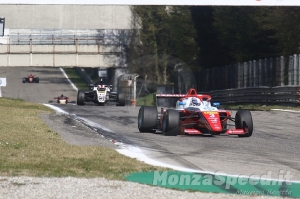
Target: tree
[(209, 54), (167, 34), (284, 22), (241, 36)]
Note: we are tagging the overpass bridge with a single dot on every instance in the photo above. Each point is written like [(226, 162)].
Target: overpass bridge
[(64, 48), (65, 35)]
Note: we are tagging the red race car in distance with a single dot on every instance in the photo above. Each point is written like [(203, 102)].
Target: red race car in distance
[(62, 100), (194, 114), (31, 79)]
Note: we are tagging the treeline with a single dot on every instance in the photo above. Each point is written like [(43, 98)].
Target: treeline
[(203, 37)]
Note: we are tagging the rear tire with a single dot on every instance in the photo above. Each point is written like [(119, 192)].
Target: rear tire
[(170, 123), (80, 97), (243, 120), (120, 99), (37, 80), (147, 119), (24, 80)]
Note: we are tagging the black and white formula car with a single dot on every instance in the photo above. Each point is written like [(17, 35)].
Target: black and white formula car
[(100, 94)]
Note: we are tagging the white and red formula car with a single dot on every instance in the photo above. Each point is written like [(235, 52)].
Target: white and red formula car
[(193, 114), (62, 100)]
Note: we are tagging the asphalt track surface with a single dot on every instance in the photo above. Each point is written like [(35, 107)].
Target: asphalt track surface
[(52, 84), (272, 151)]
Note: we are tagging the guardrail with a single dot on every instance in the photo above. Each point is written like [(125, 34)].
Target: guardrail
[(280, 95)]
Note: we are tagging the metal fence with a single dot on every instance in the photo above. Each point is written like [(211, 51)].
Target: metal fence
[(270, 72), (68, 37)]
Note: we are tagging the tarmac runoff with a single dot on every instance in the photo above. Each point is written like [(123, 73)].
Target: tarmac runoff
[(196, 180)]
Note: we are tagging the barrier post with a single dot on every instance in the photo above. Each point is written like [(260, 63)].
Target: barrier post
[(2, 83)]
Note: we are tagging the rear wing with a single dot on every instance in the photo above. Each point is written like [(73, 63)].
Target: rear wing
[(172, 97), (166, 103), (191, 93), (104, 86)]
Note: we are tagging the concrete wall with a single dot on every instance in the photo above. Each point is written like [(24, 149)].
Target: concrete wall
[(66, 16), (61, 55)]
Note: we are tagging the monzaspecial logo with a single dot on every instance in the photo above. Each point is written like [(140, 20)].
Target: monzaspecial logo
[(218, 179)]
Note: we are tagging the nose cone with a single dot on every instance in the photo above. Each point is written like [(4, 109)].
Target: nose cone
[(213, 119)]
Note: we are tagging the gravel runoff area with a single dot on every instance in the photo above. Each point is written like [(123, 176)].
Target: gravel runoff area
[(70, 187)]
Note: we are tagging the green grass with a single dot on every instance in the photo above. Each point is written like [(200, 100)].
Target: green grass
[(29, 147), (76, 79), (92, 74), (257, 107), (145, 101)]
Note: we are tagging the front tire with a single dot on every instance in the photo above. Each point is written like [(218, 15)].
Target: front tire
[(80, 97), (37, 80), (170, 123), (243, 120), (147, 119)]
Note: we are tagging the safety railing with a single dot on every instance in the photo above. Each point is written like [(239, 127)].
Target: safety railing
[(280, 95)]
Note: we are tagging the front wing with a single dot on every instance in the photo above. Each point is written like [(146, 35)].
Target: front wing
[(207, 122), (93, 97)]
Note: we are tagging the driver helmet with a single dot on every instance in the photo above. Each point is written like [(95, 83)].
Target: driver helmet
[(195, 102)]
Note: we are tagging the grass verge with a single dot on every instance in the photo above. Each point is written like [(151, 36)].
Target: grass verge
[(76, 79), (258, 107), (145, 101), (29, 147)]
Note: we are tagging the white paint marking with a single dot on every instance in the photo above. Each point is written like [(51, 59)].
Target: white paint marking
[(62, 70)]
